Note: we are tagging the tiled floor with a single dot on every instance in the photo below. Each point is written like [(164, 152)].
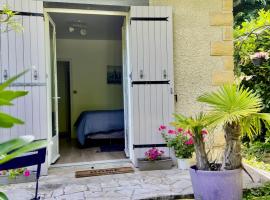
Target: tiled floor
[(61, 185), (71, 153)]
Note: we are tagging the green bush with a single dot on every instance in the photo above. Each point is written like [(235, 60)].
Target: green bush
[(250, 37), (261, 193)]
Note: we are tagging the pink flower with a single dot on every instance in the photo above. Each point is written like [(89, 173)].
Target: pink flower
[(154, 154), (188, 133), (190, 141), (27, 173), (180, 130), (162, 127), (172, 132), (204, 132)]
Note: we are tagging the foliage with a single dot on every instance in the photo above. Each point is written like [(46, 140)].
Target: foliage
[(258, 164), (233, 103), (3, 196), (260, 193), (195, 126), (181, 141), (154, 154), (13, 173), (8, 20), (257, 150), (251, 37), (256, 153), (6, 98), (246, 10), (231, 106)]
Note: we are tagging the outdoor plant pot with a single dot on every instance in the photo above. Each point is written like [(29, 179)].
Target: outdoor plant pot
[(213, 185), (257, 61), (5, 179), (162, 164), (183, 163)]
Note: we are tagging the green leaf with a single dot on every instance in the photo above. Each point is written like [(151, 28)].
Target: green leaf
[(232, 103), (3, 196), (11, 95), (16, 143), (11, 80), (26, 148), (7, 121)]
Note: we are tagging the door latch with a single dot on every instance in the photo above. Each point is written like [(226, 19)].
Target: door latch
[(5, 74), (141, 74), (35, 74), (165, 74)]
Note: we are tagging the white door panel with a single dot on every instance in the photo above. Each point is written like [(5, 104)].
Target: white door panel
[(53, 138), (152, 98)]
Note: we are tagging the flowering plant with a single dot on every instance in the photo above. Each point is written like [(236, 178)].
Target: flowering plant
[(260, 55), (13, 173), (154, 154), (180, 140)]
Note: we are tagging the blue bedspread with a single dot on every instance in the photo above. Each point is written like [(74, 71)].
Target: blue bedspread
[(92, 122)]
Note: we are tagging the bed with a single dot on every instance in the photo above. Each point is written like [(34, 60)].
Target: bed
[(103, 124)]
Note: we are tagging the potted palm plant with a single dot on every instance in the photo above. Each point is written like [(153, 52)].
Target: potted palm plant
[(238, 111), (181, 142)]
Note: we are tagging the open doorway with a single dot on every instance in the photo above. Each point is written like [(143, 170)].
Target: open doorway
[(90, 87), (64, 112)]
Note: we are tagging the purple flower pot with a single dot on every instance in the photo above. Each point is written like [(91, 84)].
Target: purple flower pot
[(257, 61), (216, 185)]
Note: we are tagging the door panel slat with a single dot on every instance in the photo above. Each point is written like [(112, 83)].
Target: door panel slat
[(151, 53), (20, 51)]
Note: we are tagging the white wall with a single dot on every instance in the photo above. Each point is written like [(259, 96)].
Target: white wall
[(89, 60)]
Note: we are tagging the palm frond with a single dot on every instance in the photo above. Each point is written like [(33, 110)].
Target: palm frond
[(232, 103)]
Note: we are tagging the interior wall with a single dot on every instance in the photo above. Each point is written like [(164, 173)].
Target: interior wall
[(89, 61)]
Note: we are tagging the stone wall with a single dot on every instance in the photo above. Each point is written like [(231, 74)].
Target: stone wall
[(203, 51)]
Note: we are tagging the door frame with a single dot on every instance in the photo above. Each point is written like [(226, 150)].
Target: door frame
[(70, 90), (49, 89), (87, 12)]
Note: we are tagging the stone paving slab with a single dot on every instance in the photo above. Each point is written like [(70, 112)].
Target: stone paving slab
[(62, 185)]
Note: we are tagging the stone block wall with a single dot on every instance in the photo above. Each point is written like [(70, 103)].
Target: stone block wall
[(203, 51)]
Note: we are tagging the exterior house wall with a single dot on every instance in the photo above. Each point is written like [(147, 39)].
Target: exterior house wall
[(203, 51)]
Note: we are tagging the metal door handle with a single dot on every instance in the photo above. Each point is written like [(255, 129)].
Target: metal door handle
[(141, 74), (35, 75), (5, 74), (165, 74)]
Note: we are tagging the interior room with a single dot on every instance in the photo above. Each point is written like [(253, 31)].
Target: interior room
[(90, 89)]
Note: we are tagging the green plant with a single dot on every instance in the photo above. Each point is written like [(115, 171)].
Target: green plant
[(256, 150), (8, 20), (195, 125), (13, 173), (18, 146), (237, 110), (180, 141), (245, 10), (260, 193), (251, 37)]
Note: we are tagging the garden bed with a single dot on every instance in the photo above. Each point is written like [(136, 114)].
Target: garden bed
[(259, 175)]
